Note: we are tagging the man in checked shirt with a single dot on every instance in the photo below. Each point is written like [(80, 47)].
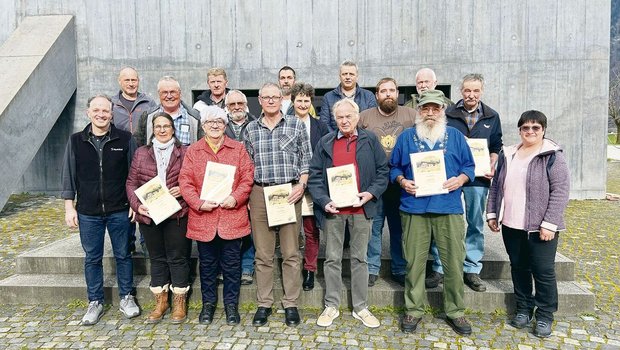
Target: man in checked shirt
[(280, 148)]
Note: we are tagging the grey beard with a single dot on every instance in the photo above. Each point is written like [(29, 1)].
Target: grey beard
[(237, 117), (434, 133)]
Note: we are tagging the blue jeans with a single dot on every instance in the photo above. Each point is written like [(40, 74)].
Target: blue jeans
[(92, 235), (387, 207), (475, 204), (247, 255)]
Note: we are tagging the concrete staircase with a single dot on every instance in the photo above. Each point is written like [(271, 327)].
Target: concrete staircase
[(54, 274)]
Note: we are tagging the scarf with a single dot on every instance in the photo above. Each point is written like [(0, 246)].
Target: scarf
[(162, 156)]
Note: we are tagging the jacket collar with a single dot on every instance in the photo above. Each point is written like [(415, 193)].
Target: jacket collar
[(113, 132), (548, 146)]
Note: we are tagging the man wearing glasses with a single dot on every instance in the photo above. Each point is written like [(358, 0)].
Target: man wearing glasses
[(280, 149), (475, 120), (186, 119)]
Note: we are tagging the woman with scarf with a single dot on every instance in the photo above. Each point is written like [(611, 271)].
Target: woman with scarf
[(168, 247)]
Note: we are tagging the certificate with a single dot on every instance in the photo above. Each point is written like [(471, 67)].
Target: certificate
[(480, 150), (429, 173), (154, 195), (218, 182), (342, 184), (279, 211), (307, 205)]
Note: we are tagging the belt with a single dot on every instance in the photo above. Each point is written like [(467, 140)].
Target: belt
[(267, 184)]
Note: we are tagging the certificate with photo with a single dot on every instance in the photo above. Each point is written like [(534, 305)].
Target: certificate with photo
[(218, 182), (279, 211), (480, 150), (429, 173), (160, 203), (307, 205), (342, 184)]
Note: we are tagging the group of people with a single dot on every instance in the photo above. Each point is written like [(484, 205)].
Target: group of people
[(131, 140)]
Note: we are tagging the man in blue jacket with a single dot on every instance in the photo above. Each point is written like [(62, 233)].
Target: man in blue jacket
[(348, 88), (475, 120)]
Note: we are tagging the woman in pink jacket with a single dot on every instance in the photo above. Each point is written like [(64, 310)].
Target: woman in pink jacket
[(168, 247), (217, 227)]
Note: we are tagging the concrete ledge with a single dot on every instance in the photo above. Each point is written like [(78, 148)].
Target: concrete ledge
[(39, 77)]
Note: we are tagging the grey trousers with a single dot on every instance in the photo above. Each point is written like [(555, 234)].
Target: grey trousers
[(360, 229)]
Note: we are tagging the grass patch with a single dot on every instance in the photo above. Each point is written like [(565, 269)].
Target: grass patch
[(611, 139), (77, 304)]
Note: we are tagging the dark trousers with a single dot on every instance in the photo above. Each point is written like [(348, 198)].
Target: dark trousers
[(169, 252), (532, 258), (225, 256)]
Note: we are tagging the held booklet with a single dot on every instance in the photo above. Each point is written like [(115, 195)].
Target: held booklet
[(429, 173), (342, 184), (307, 205), (279, 211), (160, 203), (480, 150), (218, 182)]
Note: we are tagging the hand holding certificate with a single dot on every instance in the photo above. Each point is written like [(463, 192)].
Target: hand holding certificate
[(279, 210), (342, 184), (480, 150), (160, 203), (218, 182), (429, 173)]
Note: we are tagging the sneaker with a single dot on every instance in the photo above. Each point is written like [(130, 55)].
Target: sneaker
[(367, 318), (542, 329), (409, 323), (372, 279), (328, 316), (128, 306), (521, 321), (459, 325), (93, 313), (473, 281), (433, 279), (247, 278)]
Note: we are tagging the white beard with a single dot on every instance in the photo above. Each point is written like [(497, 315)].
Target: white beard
[(432, 133)]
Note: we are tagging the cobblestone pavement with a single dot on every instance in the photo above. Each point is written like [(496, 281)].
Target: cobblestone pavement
[(592, 240)]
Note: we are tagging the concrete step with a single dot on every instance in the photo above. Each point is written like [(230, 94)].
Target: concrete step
[(63, 288), (66, 256)]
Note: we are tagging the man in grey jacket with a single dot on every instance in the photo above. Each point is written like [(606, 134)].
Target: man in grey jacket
[(129, 103)]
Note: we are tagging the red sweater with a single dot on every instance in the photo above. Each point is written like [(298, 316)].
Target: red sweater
[(344, 153)]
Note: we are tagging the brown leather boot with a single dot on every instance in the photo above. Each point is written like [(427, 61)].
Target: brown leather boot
[(161, 304), (179, 304)]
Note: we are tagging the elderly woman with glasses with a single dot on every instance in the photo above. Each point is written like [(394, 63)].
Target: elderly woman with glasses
[(217, 226), (528, 196), (166, 242)]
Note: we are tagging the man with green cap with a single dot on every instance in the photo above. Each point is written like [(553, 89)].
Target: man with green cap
[(439, 216)]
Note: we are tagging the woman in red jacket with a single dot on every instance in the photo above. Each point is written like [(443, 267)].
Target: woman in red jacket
[(168, 247), (217, 225)]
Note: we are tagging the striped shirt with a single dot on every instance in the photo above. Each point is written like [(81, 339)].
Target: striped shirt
[(280, 155)]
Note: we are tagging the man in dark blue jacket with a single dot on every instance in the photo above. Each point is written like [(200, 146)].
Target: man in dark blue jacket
[(95, 168), (348, 88), (475, 120)]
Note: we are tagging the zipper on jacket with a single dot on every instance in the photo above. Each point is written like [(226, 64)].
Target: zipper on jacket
[(100, 155)]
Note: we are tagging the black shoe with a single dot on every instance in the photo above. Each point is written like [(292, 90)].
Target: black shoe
[(206, 315), (400, 279), (291, 316), (542, 329), (308, 280), (261, 316), (232, 314), (433, 279), (409, 323), (372, 279), (521, 321), (459, 325), (473, 281)]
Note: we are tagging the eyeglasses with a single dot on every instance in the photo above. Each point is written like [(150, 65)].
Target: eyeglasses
[(163, 127), (171, 92), (216, 123), (430, 109), (527, 128), (271, 98)]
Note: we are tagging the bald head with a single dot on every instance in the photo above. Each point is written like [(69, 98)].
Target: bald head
[(129, 82), (425, 79)]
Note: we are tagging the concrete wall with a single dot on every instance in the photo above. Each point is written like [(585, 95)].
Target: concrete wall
[(550, 55)]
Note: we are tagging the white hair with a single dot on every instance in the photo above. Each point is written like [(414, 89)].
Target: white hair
[(212, 113)]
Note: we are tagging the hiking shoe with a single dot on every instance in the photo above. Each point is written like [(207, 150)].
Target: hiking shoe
[(247, 278), (93, 313), (521, 321), (328, 316), (459, 325), (433, 279), (473, 281), (542, 329), (372, 279), (409, 323), (128, 306), (367, 318)]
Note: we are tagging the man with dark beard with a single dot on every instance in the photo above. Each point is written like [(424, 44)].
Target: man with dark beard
[(439, 216), (387, 121)]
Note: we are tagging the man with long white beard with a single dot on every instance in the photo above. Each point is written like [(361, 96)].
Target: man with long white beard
[(439, 216)]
